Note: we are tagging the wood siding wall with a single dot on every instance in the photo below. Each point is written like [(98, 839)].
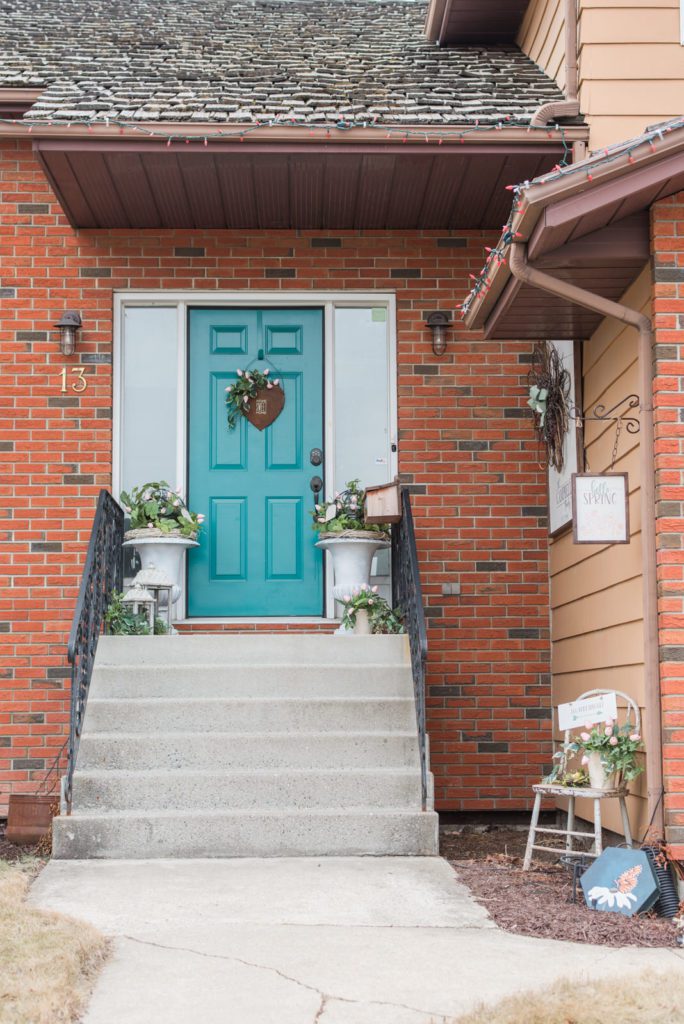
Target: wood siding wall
[(541, 37), (631, 61), (596, 595)]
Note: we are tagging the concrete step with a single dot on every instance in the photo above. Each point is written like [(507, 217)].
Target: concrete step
[(263, 679), (252, 650), (295, 788), (163, 715), (310, 833), (231, 750)]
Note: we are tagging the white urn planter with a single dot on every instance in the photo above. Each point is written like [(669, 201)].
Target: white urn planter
[(598, 777), (352, 556), (162, 551)]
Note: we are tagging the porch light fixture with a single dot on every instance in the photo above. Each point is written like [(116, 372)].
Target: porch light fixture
[(68, 325), (438, 322)]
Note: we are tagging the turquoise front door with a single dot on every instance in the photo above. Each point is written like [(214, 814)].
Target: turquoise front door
[(256, 554)]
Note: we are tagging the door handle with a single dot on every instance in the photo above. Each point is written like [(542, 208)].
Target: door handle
[(316, 485)]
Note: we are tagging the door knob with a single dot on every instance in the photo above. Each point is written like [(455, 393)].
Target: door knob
[(316, 485)]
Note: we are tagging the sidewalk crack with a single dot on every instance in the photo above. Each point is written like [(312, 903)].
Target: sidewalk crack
[(325, 997)]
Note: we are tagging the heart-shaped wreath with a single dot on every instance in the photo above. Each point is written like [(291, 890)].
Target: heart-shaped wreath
[(256, 397)]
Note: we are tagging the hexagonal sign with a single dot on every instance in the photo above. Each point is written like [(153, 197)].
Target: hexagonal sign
[(622, 881)]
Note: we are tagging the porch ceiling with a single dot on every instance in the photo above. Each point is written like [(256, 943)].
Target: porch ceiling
[(102, 183)]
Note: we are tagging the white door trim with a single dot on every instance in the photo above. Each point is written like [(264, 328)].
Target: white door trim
[(183, 300)]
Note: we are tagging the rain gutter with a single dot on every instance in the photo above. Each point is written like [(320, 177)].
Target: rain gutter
[(529, 275)]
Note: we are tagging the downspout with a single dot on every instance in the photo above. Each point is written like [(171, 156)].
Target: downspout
[(569, 107), (521, 269)]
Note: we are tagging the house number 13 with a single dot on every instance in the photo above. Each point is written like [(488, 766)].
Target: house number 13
[(78, 385)]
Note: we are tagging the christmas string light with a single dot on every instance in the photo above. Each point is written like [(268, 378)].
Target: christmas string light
[(497, 255)]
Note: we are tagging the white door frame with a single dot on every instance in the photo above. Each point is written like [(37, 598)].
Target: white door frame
[(183, 300)]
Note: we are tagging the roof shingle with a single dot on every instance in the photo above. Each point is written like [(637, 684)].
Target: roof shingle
[(246, 61)]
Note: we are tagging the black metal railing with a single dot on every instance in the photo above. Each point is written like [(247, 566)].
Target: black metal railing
[(102, 574), (408, 595)]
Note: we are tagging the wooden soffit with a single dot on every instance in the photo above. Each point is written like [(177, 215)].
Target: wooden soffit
[(463, 22)]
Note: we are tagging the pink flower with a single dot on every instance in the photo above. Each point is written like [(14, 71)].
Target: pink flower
[(150, 526), (266, 372), (608, 732), (239, 373), (245, 400), (375, 589), (201, 516), (347, 598), (613, 741), (321, 519), (248, 376), (635, 737), (585, 759), (276, 381), (588, 726), (269, 386), (370, 601), (585, 736)]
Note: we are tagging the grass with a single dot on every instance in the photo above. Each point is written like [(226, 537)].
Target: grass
[(48, 962), (647, 998)]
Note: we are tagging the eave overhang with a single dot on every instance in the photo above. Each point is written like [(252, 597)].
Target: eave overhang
[(452, 22), (588, 225), (283, 177)]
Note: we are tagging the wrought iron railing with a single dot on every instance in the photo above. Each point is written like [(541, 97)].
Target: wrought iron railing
[(408, 595), (102, 574)]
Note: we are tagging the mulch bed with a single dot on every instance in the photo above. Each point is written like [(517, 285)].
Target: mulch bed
[(539, 902)]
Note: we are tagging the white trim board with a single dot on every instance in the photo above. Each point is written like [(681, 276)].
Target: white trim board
[(183, 300)]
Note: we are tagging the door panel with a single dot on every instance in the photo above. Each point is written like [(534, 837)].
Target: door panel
[(256, 553)]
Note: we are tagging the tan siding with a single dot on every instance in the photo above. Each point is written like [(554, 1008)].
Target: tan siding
[(541, 37), (596, 591), (630, 61), (631, 66)]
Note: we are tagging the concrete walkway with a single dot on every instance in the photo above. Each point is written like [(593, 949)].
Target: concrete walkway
[(330, 941)]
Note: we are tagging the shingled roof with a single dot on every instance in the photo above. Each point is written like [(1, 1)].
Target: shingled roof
[(247, 61)]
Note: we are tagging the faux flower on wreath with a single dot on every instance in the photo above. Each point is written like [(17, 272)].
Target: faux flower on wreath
[(344, 512), (156, 506), (240, 394)]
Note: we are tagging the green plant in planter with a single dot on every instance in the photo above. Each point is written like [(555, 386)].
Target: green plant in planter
[(618, 746), (245, 388), (120, 620), (382, 618), (345, 512), (156, 505)]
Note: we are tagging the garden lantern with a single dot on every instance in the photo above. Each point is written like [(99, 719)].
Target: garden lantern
[(160, 586), (141, 602)]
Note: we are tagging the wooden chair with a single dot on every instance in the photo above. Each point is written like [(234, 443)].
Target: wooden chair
[(546, 789)]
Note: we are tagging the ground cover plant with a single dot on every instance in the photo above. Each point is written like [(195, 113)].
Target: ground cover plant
[(647, 998), (48, 962)]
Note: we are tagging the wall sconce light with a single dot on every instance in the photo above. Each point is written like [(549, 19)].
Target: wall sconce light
[(438, 322), (68, 325)]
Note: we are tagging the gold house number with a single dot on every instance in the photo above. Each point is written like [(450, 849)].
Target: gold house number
[(78, 385)]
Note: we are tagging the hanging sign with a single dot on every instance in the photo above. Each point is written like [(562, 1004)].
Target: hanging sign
[(600, 508), (588, 711), (265, 407)]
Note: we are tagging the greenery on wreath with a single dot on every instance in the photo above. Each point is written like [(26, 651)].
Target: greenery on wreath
[(121, 620), (381, 616), (245, 388), (155, 505), (549, 399), (345, 512)]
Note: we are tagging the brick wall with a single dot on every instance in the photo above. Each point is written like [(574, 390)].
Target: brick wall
[(466, 448), (667, 224)]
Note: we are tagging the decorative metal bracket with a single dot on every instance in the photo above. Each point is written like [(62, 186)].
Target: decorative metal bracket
[(602, 415)]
